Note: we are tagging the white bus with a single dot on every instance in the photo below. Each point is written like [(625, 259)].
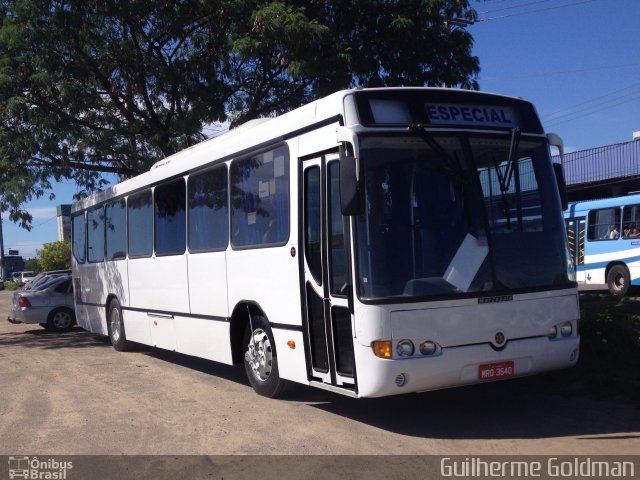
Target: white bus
[(371, 243)]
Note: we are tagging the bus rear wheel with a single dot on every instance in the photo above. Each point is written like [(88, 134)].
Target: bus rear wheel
[(618, 280), (260, 359), (115, 326)]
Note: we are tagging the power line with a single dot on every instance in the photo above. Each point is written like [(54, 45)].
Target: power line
[(608, 94), (42, 223), (556, 7), (606, 107), (594, 105), (514, 6)]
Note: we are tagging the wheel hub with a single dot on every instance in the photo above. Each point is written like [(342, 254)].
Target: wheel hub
[(115, 325), (259, 355)]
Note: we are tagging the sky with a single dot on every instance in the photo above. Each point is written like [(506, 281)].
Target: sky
[(575, 60)]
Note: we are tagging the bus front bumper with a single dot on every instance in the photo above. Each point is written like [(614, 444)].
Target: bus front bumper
[(452, 367)]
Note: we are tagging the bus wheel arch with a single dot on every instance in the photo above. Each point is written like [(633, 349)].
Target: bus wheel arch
[(239, 321), (618, 279), (256, 349)]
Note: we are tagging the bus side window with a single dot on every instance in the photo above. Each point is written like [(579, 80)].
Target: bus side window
[(631, 221), (140, 224), (115, 230), (259, 188), (603, 224), (79, 238), (95, 235), (208, 216)]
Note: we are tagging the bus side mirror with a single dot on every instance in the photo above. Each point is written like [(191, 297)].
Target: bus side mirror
[(351, 195), (562, 185)]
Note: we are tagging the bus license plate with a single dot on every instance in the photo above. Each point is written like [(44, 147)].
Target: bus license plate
[(492, 371)]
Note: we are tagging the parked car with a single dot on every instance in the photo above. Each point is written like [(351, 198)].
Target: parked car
[(44, 277), (23, 277), (49, 304)]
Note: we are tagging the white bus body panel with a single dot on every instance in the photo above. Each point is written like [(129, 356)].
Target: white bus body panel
[(204, 338), (208, 284), (159, 283), (136, 326), (291, 360)]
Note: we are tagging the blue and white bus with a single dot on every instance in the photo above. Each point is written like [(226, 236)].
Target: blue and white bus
[(373, 242), (604, 239)]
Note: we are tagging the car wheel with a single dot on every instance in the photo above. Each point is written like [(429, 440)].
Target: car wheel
[(618, 280), (61, 319), (261, 361), (115, 326)]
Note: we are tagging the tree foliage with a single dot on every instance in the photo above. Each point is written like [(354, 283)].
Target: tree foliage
[(54, 256), (114, 86)]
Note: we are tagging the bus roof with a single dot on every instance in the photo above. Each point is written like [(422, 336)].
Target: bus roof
[(586, 205)]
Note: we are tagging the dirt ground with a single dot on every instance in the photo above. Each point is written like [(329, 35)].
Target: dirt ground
[(71, 393)]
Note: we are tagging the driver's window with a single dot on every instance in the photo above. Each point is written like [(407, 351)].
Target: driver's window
[(338, 257)]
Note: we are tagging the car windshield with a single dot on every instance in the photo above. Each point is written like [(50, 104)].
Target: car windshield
[(451, 214)]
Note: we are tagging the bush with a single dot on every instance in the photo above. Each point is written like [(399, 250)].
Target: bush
[(11, 286), (610, 344)]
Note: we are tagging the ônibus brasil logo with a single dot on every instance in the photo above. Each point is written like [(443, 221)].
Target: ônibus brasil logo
[(35, 468)]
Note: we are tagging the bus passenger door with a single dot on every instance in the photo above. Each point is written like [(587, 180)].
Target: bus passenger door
[(575, 235), (328, 332)]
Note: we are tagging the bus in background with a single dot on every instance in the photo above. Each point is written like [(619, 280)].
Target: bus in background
[(604, 239), (371, 243)]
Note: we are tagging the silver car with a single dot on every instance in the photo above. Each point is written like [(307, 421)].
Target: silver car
[(49, 304)]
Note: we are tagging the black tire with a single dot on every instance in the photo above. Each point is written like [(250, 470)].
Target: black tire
[(115, 326), (261, 360), (61, 319), (618, 280)]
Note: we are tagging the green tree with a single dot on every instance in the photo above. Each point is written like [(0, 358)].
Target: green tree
[(54, 256), (114, 86), (32, 264)]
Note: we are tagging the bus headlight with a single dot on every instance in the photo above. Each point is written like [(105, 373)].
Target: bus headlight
[(405, 348), (428, 348), (566, 329)]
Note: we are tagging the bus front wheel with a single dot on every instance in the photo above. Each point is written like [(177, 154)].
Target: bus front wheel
[(260, 359), (618, 280), (115, 326)]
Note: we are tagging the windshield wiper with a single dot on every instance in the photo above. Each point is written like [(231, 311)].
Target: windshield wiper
[(452, 164), (505, 178)]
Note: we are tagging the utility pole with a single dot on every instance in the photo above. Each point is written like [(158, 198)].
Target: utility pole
[(1, 252)]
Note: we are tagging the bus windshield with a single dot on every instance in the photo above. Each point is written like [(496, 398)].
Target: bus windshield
[(452, 214)]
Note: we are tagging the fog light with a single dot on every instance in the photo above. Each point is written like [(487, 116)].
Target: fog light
[(428, 348), (566, 329), (574, 355), (401, 380), (405, 348), (553, 332), (382, 348)]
